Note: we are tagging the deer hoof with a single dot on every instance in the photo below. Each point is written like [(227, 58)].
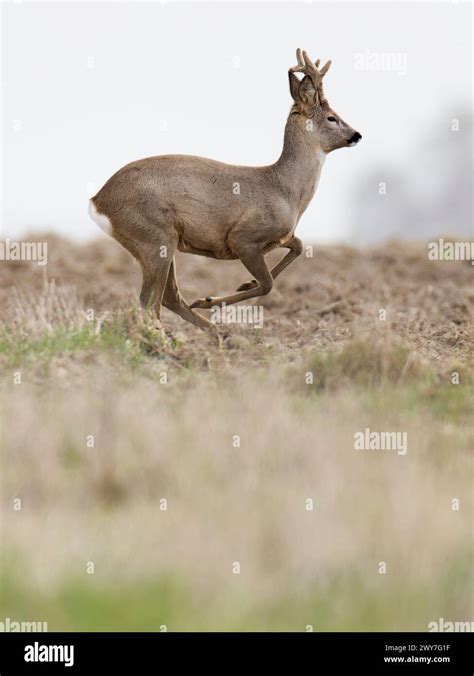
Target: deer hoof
[(246, 286), (203, 303)]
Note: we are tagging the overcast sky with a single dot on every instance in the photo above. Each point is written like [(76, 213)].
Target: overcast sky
[(88, 87)]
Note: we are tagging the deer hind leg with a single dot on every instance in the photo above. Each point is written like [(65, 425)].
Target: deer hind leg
[(155, 260), (295, 246), (173, 300), (155, 275), (254, 261)]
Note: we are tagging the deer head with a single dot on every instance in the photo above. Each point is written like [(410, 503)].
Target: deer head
[(331, 130)]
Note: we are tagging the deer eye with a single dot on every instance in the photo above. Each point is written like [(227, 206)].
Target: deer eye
[(332, 119)]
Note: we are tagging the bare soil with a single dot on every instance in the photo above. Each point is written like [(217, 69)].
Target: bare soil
[(318, 302)]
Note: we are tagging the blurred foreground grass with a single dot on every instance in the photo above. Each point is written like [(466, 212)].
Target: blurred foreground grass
[(165, 415), (345, 603)]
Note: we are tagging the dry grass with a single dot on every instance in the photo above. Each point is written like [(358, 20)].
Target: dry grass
[(318, 302), (164, 410)]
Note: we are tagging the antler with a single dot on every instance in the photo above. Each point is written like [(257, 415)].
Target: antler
[(306, 66)]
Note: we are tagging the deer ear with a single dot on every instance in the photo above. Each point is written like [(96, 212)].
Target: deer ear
[(294, 86), (307, 92)]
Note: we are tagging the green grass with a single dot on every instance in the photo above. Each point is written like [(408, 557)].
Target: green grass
[(366, 364), (349, 601), (387, 377), (367, 380), (129, 339)]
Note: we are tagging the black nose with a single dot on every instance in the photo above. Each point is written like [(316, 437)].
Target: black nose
[(355, 138)]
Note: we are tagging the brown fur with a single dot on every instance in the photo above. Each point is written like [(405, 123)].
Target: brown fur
[(196, 205)]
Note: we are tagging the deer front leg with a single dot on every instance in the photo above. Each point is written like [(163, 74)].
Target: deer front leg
[(254, 261), (295, 247), (173, 300)]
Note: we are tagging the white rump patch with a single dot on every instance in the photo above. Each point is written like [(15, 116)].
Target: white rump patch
[(102, 220)]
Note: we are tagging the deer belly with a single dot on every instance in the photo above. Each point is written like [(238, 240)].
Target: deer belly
[(220, 252), (281, 241)]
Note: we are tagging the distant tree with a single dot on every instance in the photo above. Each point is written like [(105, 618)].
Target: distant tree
[(430, 195)]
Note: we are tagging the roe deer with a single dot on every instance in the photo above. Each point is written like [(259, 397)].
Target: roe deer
[(159, 204)]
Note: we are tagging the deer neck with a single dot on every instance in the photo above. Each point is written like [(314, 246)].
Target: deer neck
[(299, 165)]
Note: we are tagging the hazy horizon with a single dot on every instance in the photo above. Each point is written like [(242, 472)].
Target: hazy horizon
[(211, 79)]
